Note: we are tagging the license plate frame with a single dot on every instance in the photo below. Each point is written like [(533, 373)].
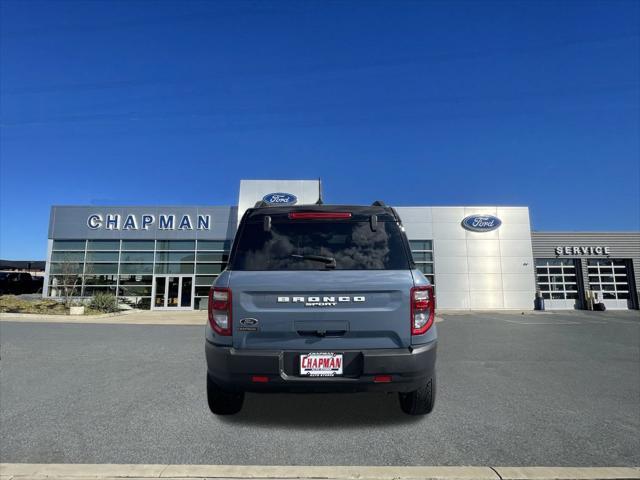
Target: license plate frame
[(321, 364)]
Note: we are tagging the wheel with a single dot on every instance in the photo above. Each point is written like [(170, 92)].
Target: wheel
[(420, 401), (222, 402)]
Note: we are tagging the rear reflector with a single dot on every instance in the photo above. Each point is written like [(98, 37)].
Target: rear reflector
[(259, 379), (318, 215), (382, 379)]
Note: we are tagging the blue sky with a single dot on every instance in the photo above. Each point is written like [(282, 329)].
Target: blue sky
[(416, 103)]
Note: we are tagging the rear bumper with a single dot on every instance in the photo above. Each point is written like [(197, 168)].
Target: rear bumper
[(232, 369)]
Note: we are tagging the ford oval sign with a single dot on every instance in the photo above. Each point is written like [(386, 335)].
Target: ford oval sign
[(280, 198), (481, 223)]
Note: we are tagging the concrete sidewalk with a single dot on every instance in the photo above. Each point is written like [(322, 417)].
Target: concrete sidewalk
[(126, 317), (22, 471)]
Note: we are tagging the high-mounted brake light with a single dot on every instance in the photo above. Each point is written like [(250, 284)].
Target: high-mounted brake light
[(220, 310), (318, 215), (422, 309)]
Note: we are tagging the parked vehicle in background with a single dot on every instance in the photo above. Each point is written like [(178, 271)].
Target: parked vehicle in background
[(17, 283), (321, 299)]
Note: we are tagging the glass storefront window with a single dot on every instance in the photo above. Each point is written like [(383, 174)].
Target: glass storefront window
[(67, 256), (102, 256), (421, 244), (91, 291), (136, 279), (425, 267), (202, 291), (214, 245), (66, 268), (175, 245), (131, 291), (68, 245), (140, 257), (175, 257), (141, 303), (210, 268), (100, 279), (213, 257), (132, 278), (422, 252), (136, 268), (162, 268), (103, 245), (422, 256), (138, 244), (65, 280), (92, 268)]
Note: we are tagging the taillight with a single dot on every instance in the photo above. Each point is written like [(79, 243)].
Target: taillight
[(318, 215), (220, 310), (422, 309)]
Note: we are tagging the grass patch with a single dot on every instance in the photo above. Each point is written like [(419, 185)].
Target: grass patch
[(13, 304)]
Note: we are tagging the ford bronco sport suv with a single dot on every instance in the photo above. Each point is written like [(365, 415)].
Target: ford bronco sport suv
[(321, 298)]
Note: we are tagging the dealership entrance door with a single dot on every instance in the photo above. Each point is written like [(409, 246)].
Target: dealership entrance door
[(173, 292)]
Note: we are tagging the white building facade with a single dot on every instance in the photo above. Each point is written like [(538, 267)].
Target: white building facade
[(478, 257)]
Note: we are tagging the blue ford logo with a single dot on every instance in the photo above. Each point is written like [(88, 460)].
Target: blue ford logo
[(280, 198), (481, 223)]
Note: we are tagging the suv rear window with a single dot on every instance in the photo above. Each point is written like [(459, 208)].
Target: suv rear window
[(288, 246)]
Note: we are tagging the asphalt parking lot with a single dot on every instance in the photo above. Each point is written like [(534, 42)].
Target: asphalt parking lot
[(535, 389)]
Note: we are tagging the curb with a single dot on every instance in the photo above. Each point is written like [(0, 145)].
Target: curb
[(51, 317), (24, 471), (128, 317)]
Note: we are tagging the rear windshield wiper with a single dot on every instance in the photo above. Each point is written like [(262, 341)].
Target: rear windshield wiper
[(329, 262)]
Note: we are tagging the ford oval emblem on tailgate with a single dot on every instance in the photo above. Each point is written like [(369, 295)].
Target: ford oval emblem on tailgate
[(248, 325), (481, 223)]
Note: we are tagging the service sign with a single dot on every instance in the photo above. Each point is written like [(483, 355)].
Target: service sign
[(481, 223), (583, 250), (280, 198)]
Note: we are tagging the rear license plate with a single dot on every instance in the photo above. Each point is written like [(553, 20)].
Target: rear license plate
[(323, 364)]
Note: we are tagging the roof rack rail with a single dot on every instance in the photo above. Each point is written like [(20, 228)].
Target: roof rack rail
[(261, 204), (378, 203)]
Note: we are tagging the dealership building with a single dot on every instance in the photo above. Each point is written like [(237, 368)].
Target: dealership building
[(478, 257)]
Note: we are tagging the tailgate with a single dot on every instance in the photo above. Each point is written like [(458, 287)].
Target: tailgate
[(321, 309)]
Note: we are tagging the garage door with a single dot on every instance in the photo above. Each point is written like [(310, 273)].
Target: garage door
[(558, 283), (610, 280)]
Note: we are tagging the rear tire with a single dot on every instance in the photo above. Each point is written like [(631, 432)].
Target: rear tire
[(222, 402), (420, 401)]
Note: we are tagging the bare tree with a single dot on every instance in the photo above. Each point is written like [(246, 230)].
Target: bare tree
[(69, 274)]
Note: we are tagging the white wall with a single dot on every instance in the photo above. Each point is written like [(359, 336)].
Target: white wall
[(252, 191), (477, 270)]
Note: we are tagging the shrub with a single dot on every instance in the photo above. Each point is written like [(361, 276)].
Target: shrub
[(104, 302)]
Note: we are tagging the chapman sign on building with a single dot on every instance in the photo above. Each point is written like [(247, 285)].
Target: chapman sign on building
[(131, 221), (478, 257)]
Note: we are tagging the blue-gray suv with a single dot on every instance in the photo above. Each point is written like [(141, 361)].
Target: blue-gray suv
[(319, 298)]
